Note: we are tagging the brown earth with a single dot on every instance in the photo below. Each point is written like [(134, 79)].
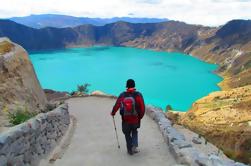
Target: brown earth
[(224, 118)]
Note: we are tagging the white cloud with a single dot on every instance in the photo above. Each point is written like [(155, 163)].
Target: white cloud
[(206, 12)]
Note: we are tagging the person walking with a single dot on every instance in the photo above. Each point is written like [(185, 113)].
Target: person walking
[(132, 110)]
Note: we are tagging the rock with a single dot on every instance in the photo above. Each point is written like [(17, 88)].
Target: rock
[(55, 95), (181, 144), (158, 115), (239, 164), (1, 63), (35, 124), (196, 140), (18, 147), (190, 156), (34, 159), (223, 127), (216, 161), (97, 92), (18, 81), (3, 160), (27, 157), (173, 135), (17, 160)]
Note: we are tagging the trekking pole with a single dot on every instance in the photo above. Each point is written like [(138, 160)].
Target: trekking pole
[(116, 131)]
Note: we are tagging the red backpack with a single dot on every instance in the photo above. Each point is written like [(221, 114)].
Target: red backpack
[(128, 107)]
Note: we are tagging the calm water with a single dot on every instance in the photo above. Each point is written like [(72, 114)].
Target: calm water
[(163, 78)]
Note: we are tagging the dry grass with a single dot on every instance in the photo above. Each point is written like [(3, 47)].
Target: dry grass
[(5, 47)]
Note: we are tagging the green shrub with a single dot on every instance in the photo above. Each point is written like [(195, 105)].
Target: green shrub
[(83, 88), (20, 115), (72, 93)]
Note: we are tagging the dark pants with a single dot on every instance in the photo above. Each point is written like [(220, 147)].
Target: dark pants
[(131, 135)]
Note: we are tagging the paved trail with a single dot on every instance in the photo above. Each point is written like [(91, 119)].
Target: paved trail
[(94, 142)]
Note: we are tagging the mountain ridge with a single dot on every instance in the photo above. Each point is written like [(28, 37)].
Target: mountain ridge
[(230, 49), (63, 21)]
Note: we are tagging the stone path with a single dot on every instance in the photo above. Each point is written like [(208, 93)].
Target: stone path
[(93, 142)]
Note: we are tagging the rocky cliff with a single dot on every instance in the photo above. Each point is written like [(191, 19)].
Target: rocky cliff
[(229, 46), (18, 82), (224, 118)]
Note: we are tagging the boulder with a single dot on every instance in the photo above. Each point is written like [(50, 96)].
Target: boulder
[(196, 140), (97, 92)]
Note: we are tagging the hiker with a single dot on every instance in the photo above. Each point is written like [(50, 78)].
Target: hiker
[(132, 110)]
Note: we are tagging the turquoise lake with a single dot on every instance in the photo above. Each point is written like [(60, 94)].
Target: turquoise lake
[(163, 78)]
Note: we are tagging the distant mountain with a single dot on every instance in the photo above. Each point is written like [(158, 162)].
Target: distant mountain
[(109, 34), (36, 39), (235, 31), (62, 21)]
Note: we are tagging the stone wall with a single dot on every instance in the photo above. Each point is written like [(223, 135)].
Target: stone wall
[(29, 142), (181, 149)]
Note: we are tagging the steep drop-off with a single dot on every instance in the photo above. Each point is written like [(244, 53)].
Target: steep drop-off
[(224, 118), (19, 85)]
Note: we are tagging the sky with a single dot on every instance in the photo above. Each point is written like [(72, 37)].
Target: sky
[(204, 12)]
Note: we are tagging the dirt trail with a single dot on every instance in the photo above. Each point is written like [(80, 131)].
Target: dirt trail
[(94, 144)]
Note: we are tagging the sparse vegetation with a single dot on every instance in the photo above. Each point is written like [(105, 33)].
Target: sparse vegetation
[(5, 47), (83, 88), (19, 115), (191, 115), (169, 107), (72, 93)]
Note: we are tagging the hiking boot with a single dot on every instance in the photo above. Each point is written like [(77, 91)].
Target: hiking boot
[(135, 149), (130, 152)]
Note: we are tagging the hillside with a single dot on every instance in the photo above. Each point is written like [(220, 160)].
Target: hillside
[(224, 118), (229, 45), (230, 49), (63, 21)]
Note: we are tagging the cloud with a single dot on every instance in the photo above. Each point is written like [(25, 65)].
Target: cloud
[(149, 1), (206, 12)]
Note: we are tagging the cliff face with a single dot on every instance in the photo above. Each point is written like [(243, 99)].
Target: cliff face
[(228, 46), (224, 118), (18, 82)]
